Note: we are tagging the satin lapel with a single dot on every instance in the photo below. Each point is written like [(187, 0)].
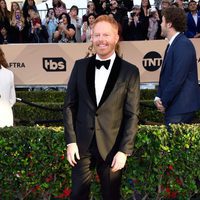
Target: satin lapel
[(90, 74), (111, 80)]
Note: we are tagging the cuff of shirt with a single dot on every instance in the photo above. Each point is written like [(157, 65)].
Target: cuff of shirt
[(70, 144), (156, 98)]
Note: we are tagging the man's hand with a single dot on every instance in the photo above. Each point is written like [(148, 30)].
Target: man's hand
[(72, 153), (119, 161), (159, 105)]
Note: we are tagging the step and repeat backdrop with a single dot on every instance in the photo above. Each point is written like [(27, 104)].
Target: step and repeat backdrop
[(51, 64)]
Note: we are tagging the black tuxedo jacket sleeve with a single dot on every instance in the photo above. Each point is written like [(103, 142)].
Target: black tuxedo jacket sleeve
[(114, 120)]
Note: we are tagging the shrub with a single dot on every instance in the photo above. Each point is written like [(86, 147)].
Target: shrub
[(163, 166)]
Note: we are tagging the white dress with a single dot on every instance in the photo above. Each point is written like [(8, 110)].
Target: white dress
[(7, 97)]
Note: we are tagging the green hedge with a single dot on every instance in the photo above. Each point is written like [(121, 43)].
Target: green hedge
[(164, 166), (41, 96), (28, 115), (58, 96)]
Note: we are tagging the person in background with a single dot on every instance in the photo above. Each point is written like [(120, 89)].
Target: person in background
[(101, 114), (134, 26), (101, 6), (144, 17), (59, 7), (7, 93), (5, 37), (116, 11), (193, 21), (37, 32), (198, 5), (14, 6), (180, 4), (154, 28), (66, 31), (178, 95), (4, 15), (28, 6), (51, 23), (76, 21), (90, 9), (17, 23), (164, 4), (87, 28)]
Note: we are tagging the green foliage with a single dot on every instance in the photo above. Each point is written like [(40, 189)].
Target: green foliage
[(58, 96), (30, 114), (147, 94), (32, 163), (163, 166), (41, 96)]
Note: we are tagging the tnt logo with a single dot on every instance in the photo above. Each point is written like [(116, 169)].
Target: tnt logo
[(152, 61), (54, 64)]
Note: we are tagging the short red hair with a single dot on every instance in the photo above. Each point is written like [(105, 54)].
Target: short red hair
[(108, 19)]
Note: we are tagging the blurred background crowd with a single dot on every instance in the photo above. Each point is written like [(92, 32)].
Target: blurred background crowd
[(24, 24)]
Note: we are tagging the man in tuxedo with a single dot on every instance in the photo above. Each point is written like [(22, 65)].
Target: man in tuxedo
[(178, 92), (101, 114)]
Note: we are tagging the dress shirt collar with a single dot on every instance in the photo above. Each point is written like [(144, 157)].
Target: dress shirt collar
[(173, 37), (111, 58)]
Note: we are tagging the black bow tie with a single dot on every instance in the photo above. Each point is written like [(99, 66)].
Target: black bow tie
[(99, 63)]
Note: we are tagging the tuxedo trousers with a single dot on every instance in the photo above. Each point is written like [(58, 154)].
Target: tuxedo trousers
[(82, 174)]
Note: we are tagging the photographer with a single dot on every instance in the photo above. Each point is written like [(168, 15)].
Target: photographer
[(37, 32), (51, 23), (103, 6), (17, 24), (66, 31), (116, 11), (133, 25)]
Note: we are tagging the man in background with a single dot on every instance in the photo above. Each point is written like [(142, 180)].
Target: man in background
[(178, 94), (193, 21)]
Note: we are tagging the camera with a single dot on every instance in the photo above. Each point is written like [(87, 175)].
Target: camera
[(36, 21), (132, 14), (17, 16)]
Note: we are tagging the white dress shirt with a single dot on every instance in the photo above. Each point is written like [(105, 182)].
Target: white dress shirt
[(101, 77), (7, 97)]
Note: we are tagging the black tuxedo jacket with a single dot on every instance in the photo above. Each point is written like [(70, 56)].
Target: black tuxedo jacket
[(114, 120)]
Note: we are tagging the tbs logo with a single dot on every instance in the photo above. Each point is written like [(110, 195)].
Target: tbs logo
[(54, 64)]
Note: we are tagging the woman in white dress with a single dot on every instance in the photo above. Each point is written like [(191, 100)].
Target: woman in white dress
[(7, 93)]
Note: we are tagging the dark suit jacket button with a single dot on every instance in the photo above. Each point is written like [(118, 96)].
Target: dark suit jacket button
[(91, 128), (96, 114)]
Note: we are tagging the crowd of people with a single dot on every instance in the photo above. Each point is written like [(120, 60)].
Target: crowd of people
[(138, 22)]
